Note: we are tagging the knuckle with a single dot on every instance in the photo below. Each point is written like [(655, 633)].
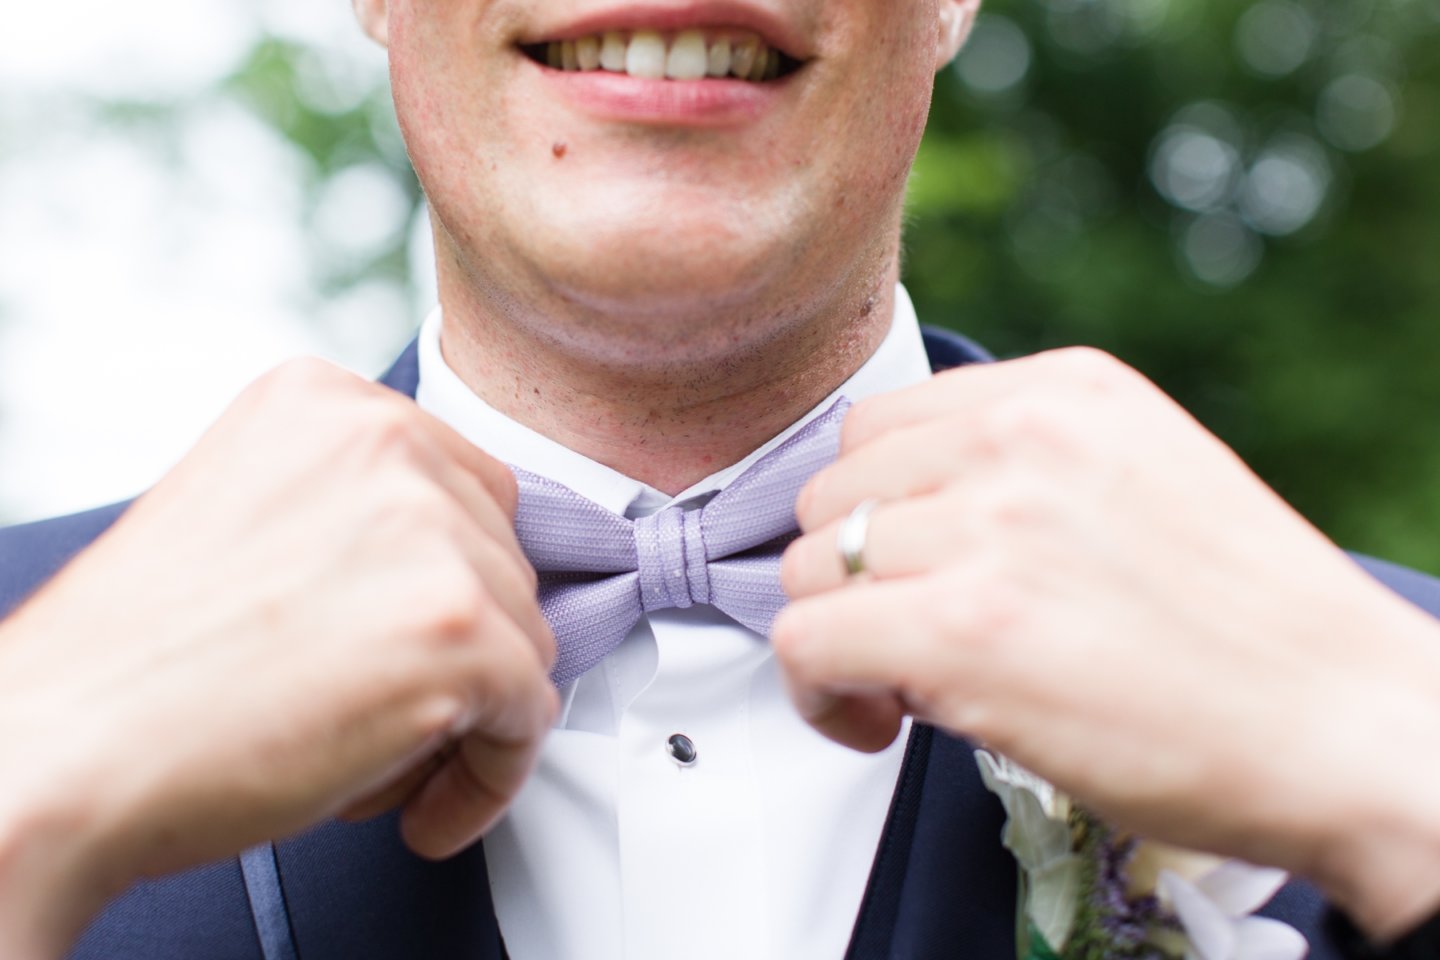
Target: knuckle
[(1092, 369), (978, 606), (512, 671), (1016, 503), (440, 714), (456, 605), (412, 508), (391, 427), (1027, 422), (300, 376)]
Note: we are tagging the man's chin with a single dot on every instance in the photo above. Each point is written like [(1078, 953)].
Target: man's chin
[(664, 278)]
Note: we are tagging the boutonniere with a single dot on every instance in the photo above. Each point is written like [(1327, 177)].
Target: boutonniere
[(1089, 892)]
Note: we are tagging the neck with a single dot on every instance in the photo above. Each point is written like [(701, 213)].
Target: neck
[(666, 411)]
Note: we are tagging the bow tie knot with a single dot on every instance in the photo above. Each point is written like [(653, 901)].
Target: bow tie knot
[(673, 564), (600, 572)]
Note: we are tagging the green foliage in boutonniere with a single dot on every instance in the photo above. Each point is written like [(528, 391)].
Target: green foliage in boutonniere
[(1089, 892), (1111, 922)]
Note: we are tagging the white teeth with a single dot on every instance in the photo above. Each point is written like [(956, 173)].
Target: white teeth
[(691, 55), (718, 63), (646, 56), (688, 58), (612, 52), (587, 52), (742, 58)]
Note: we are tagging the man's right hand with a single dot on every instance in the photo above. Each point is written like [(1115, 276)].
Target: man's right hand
[(322, 610)]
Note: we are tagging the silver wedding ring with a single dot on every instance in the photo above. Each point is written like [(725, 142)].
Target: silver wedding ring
[(851, 540)]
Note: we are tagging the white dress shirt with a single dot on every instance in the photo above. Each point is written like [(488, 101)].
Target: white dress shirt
[(614, 851)]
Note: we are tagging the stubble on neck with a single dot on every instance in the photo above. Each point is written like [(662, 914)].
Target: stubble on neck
[(663, 414)]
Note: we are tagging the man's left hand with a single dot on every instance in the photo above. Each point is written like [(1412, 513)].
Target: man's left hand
[(1067, 567)]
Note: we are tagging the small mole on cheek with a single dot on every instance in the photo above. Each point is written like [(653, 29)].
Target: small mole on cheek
[(560, 149)]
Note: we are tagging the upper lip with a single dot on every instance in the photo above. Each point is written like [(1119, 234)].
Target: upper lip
[(771, 27)]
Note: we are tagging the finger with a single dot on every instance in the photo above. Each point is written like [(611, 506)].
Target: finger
[(397, 793), (867, 641), (480, 504), (912, 460), (903, 539), (468, 794), (953, 393), (514, 590), (865, 723), (494, 553), (515, 705), (497, 478), (1075, 370)]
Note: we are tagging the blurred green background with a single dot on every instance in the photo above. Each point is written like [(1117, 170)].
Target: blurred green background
[(1241, 199)]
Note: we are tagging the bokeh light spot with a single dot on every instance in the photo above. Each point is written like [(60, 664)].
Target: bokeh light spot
[(1356, 112), (997, 57), (1220, 250), (1275, 37)]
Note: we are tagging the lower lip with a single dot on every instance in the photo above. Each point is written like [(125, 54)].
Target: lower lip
[(684, 103)]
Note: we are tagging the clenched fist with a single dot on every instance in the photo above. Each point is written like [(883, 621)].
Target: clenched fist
[(323, 609)]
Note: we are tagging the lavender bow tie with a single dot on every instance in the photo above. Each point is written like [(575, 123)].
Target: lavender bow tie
[(600, 573)]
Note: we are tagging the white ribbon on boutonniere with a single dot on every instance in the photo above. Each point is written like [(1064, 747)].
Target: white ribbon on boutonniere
[(1090, 893)]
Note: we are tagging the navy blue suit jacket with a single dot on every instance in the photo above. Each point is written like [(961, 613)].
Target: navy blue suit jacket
[(941, 888)]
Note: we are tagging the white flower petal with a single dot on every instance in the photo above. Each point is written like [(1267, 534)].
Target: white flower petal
[(1240, 889), (1053, 899), (1260, 938), (1211, 932), (994, 776), (1033, 837), (1031, 834)]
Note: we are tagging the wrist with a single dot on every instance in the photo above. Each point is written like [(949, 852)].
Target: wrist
[(1381, 859), (47, 891), (1390, 883), (50, 836)]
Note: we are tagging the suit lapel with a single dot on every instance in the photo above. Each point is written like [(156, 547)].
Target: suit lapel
[(941, 884), (404, 375), (355, 892)]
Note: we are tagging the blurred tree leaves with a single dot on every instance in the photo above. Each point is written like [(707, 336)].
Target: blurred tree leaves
[(1240, 199)]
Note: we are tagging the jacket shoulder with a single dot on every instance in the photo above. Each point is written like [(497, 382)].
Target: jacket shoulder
[(1419, 588), (32, 553)]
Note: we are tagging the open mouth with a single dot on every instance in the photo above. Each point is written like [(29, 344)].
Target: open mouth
[(685, 55)]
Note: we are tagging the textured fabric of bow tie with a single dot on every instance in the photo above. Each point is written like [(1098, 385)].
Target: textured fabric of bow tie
[(600, 572)]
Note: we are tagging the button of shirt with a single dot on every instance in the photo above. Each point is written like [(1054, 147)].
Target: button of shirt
[(682, 750)]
